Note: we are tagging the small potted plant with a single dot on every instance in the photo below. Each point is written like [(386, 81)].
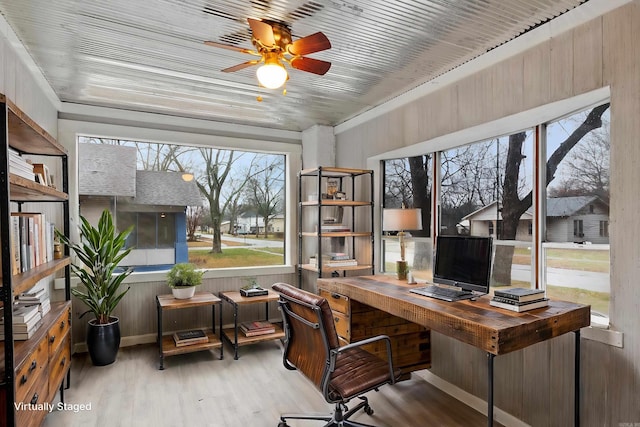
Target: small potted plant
[(183, 279)]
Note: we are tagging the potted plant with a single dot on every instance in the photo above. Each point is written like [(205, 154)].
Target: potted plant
[(183, 279), (99, 252)]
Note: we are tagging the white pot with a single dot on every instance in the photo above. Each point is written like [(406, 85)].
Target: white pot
[(183, 293)]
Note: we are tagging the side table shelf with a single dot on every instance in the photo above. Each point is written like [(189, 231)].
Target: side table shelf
[(238, 339), (166, 344)]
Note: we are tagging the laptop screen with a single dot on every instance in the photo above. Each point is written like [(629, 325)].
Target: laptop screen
[(463, 261)]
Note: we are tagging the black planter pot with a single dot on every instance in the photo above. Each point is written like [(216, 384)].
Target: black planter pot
[(103, 341)]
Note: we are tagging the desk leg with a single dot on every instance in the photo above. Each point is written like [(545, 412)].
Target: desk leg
[(490, 358), (576, 391), (221, 333), (235, 331), (160, 334)]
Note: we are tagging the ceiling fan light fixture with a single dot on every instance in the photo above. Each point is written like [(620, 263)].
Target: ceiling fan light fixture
[(272, 74)]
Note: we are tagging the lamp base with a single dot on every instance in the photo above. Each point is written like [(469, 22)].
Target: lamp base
[(402, 269)]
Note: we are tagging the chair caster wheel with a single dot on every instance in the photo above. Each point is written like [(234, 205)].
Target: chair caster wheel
[(283, 424), (368, 410)]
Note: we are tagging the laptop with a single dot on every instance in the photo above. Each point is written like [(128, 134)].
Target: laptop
[(462, 268)]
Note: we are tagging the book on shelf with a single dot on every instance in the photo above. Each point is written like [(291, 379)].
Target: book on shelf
[(22, 314), (34, 234), (341, 263), (526, 306), (520, 294), (194, 336), (256, 328), (334, 228)]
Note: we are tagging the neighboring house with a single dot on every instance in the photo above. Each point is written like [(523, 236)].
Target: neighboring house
[(577, 219), (569, 219), (249, 224), (153, 202)]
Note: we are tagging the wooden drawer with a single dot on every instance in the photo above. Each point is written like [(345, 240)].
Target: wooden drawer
[(343, 326), (32, 368), (58, 367), (36, 396), (58, 331), (337, 302)]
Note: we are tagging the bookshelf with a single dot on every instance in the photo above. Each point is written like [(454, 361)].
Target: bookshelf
[(335, 221), (49, 348)]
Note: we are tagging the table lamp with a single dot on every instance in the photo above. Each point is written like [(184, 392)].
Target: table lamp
[(400, 220)]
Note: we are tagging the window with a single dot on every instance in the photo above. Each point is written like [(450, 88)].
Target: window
[(408, 181), (604, 228), (577, 195), (486, 188), (578, 228), (187, 203)]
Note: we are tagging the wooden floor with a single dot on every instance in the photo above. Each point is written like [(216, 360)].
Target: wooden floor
[(198, 389)]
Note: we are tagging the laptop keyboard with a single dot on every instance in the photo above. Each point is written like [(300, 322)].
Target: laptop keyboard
[(437, 291)]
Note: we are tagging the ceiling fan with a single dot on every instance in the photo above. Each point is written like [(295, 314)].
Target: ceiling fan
[(273, 44)]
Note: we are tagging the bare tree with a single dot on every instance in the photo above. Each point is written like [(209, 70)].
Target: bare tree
[(513, 206), (265, 189), (194, 216), (217, 169)]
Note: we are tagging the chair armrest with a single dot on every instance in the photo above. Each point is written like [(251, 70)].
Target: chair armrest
[(334, 353)]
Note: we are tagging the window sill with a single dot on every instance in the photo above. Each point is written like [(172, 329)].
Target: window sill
[(596, 332), (161, 276)]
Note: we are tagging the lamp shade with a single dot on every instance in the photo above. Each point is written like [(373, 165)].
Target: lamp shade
[(401, 219)]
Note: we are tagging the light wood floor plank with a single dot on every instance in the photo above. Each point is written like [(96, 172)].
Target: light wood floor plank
[(200, 390)]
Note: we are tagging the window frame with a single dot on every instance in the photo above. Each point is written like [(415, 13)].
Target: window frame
[(196, 133)]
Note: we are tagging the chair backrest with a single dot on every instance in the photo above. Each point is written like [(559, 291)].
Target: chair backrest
[(311, 333)]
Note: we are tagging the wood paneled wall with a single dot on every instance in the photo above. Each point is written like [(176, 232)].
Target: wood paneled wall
[(138, 315), (536, 385)]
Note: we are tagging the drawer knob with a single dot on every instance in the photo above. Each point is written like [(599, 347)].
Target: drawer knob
[(62, 324), (335, 296), (34, 399), (52, 338), (63, 361), (23, 379), (33, 366)]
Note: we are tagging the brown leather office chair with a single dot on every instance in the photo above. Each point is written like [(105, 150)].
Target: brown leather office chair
[(340, 373)]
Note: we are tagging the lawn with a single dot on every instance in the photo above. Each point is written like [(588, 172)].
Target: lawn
[(237, 257)]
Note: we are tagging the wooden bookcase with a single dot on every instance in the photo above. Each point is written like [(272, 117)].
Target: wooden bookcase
[(31, 371)]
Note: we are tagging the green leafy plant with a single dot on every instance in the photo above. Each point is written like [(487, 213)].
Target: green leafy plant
[(251, 283), (184, 275), (100, 251)]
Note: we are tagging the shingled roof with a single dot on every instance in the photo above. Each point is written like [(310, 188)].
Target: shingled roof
[(110, 170), (106, 170), (165, 188)]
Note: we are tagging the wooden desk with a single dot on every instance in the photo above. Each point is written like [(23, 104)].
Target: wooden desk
[(494, 330)]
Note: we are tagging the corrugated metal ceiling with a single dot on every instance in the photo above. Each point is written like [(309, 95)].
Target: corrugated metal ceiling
[(148, 55)]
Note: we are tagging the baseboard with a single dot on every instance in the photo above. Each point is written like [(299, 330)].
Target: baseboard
[(124, 342), (469, 399)]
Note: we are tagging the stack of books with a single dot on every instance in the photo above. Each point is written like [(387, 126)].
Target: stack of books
[(339, 259), (252, 329), (20, 166), (26, 321), (195, 336), (36, 296), (519, 299)]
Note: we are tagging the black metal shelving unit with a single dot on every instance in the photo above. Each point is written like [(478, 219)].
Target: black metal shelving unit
[(353, 192)]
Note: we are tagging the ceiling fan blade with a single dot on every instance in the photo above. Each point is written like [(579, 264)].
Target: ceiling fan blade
[(262, 31), (230, 47), (309, 44), (240, 66), (311, 65)]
